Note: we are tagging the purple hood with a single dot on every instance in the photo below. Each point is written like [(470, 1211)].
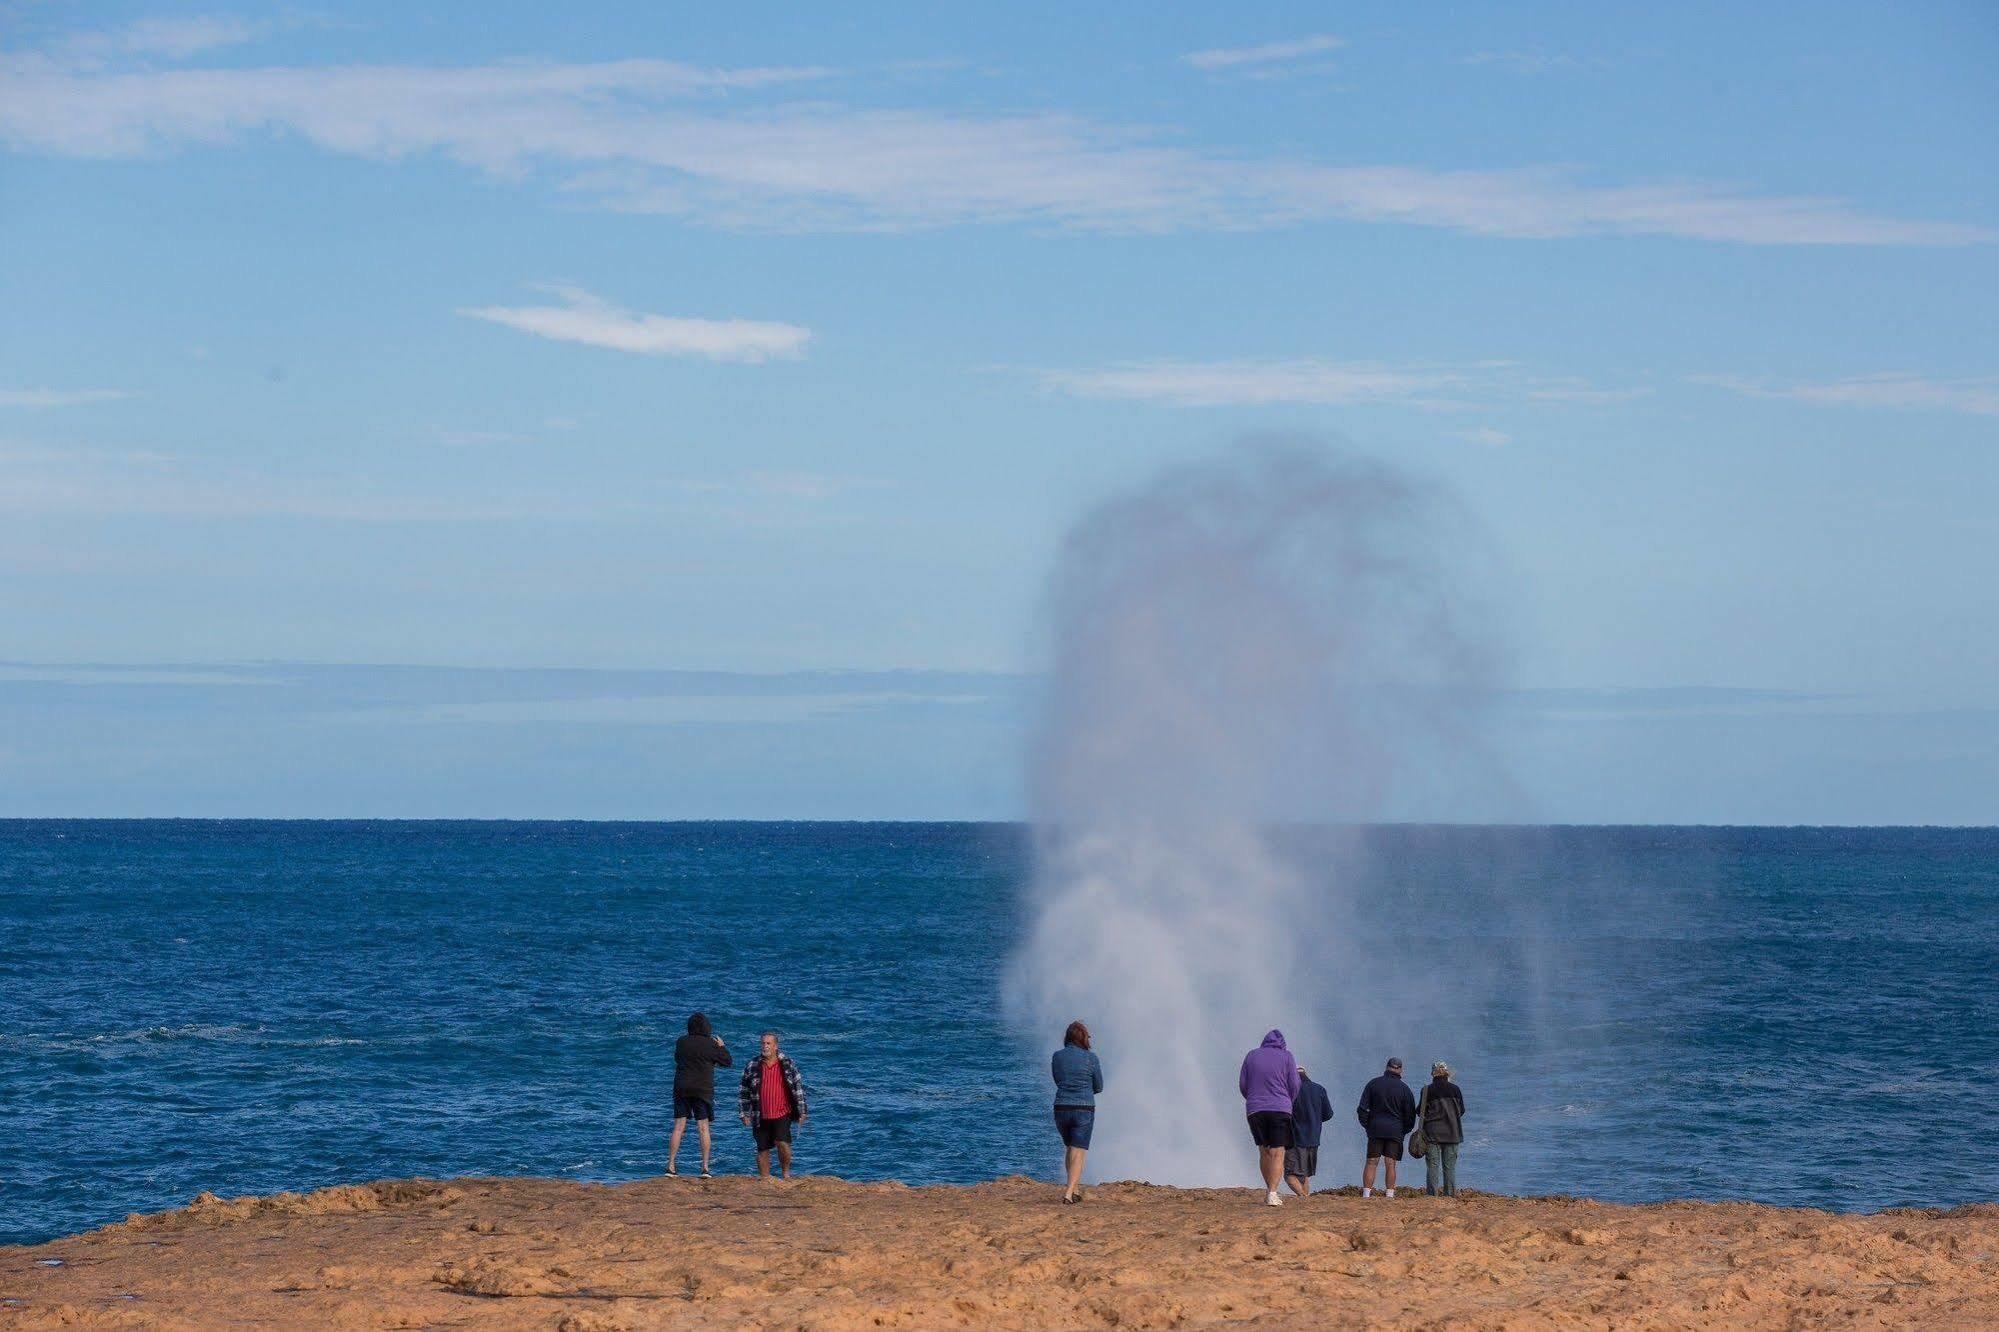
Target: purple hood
[(1269, 1079)]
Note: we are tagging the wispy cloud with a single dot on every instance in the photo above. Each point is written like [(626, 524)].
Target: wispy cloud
[(46, 480), (166, 38), (594, 322), (1231, 57), (1973, 396), (58, 397), (1485, 435), (36, 479), (606, 131), (469, 439), (1318, 382), (1524, 62)]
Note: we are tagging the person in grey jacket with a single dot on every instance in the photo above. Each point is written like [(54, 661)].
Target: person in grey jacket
[(1442, 1111), (1078, 1079)]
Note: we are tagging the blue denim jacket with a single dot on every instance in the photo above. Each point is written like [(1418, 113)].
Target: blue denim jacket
[(1078, 1077)]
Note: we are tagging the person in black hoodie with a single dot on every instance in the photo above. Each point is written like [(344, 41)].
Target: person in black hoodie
[(1387, 1112), (696, 1056)]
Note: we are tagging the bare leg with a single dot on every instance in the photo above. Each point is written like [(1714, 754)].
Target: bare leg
[(1072, 1161), (784, 1160), (673, 1142), (1299, 1185), (702, 1125), (1367, 1173), (1271, 1160), (763, 1165), (1388, 1165)]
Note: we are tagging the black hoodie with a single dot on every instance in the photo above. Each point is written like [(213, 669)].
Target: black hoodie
[(695, 1059)]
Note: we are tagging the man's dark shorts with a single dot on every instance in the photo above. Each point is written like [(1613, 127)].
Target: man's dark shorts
[(692, 1107), (1074, 1123), (1388, 1147), (1301, 1161), (1270, 1128), (771, 1132)]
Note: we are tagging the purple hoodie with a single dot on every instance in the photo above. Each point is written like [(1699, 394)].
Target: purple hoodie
[(1269, 1078)]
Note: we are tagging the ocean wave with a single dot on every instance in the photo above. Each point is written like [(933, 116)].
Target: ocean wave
[(113, 1043)]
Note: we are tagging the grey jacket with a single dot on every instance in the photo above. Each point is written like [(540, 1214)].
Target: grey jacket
[(1443, 1112)]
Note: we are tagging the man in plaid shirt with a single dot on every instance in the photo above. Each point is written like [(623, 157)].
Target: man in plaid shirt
[(772, 1099)]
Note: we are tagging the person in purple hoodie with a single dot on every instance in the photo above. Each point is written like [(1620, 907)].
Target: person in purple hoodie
[(1269, 1084)]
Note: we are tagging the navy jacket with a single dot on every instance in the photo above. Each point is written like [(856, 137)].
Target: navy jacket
[(1387, 1107), (1309, 1113)]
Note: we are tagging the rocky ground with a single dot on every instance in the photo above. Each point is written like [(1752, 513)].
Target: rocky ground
[(824, 1253)]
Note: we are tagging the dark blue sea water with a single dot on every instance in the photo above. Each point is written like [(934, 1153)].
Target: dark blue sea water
[(1799, 1016)]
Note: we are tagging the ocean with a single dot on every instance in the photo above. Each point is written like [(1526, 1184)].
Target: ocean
[(1801, 1016)]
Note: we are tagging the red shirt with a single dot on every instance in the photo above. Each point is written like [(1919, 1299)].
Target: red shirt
[(771, 1098)]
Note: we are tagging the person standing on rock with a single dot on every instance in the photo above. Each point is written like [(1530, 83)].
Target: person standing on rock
[(1078, 1079), (1442, 1110), (696, 1056), (1387, 1112), (1310, 1110), (1269, 1084), (771, 1099)]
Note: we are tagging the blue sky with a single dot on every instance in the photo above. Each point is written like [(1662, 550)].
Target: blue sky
[(631, 338)]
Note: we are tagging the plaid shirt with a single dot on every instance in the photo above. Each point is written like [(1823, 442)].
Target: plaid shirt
[(749, 1096)]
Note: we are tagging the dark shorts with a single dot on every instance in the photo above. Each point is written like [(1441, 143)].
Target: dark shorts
[(770, 1132), (1388, 1147), (1270, 1128), (1301, 1161), (1074, 1123), (692, 1107)]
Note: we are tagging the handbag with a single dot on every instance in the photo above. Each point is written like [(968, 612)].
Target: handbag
[(1419, 1145)]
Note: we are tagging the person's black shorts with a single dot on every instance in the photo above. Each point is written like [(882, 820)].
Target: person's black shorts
[(1074, 1123), (771, 1132), (1388, 1147), (1270, 1128), (1301, 1161), (692, 1107)]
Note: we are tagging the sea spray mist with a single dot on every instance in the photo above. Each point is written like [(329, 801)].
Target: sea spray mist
[(1250, 659)]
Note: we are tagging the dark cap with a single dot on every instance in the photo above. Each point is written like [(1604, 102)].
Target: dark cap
[(1395, 1065)]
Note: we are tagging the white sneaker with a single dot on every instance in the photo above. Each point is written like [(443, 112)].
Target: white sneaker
[(1389, 1194), (1367, 1193), (1272, 1200)]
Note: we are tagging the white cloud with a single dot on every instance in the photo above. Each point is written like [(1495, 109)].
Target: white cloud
[(594, 322), (1974, 396), (58, 397), (1229, 57), (1315, 381), (1485, 435), (602, 129)]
